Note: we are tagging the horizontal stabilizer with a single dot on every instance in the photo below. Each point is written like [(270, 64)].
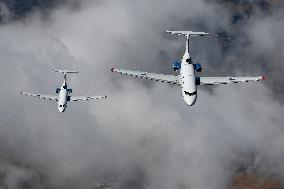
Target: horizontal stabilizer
[(65, 71), (187, 33)]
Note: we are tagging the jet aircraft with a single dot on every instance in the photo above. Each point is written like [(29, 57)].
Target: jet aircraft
[(187, 78), (64, 93)]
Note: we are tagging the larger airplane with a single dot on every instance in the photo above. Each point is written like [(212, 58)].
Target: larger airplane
[(187, 79), (64, 93)]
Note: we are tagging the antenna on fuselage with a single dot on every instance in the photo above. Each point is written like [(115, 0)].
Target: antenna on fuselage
[(187, 34)]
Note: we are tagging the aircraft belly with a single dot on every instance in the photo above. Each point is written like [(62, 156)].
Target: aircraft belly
[(62, 101), (189, 89), (62, 97)]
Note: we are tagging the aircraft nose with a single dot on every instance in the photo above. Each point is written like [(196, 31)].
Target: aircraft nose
[(61, 109), (190, 100)]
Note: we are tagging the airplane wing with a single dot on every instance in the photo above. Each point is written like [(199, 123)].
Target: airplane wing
[(225, 80), (78, 98), (48, 97), (172, 79)]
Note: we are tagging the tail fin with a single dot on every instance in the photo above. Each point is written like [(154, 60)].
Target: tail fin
[(65, 71), (187, 33)]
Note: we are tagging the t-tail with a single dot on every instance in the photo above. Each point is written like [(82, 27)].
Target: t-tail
[(187, 34), (65, 72)]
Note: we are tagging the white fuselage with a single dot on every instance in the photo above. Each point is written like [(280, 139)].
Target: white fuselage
[(62, 98), (188, 80)]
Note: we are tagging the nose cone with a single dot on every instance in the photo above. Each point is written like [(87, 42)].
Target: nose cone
[(61, 109), (190, 100)]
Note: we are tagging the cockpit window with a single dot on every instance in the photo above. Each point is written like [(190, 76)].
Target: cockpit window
[(190, 94)]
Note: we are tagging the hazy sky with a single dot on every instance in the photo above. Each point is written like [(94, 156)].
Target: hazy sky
[(143, 136)]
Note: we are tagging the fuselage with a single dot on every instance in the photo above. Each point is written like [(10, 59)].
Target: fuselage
[(63, 98), (188, 80)]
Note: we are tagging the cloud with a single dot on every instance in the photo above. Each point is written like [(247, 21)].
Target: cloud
[(143, 135)]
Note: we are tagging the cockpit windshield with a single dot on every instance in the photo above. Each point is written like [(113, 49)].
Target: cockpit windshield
[(190, 94)]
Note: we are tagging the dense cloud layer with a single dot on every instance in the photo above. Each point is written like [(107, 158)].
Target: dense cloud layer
[(143, 135)]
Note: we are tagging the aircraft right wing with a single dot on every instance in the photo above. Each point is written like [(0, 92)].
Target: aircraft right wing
[(48, 97), (225, 80), (172, 79), (78, 98)]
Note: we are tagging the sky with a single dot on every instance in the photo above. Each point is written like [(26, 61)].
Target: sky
[(143, 135)]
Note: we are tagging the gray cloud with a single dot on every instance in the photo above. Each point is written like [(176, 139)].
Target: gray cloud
[(143, 136)]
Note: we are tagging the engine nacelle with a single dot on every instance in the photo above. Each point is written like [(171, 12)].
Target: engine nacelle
[(176, 65), (70, 90), (197, 67), (57, 90)]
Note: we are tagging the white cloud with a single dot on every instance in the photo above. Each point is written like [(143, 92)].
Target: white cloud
[(143, 135)]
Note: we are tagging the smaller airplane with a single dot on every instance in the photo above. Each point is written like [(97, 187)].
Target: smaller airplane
[(187, 78), (64, 93)]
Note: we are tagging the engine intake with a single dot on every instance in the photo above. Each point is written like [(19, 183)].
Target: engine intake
[(197, 67), (176, 65), (57, 90)]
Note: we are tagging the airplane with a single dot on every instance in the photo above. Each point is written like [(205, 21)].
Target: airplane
[(64, 93), (187, 78)]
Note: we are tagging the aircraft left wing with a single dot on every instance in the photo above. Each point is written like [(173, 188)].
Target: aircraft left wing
[(172, 79), (46, 97), (78, 98), (225, 80)]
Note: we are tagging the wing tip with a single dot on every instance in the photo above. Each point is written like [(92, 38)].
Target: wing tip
[(263, 77)]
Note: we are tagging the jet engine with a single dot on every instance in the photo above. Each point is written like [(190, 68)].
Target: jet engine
[(176, 65), (70, 90), (57, 90), (197, 67)]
